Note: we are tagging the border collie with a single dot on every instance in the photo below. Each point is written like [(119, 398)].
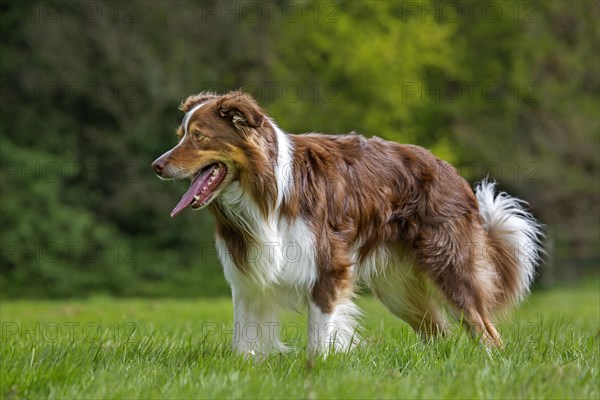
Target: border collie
[(300, 219)]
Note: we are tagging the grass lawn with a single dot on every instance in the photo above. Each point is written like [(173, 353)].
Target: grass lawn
[(107, 348)]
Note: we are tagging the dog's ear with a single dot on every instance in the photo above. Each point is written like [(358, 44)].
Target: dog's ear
[(194, 99), (241, 110)]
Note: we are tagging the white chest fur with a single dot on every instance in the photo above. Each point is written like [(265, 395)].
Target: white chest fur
[(281, 257)]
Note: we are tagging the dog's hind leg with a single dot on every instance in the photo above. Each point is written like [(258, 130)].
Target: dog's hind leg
[(406, 292), (470, 292), (465, 277), (481, 327)]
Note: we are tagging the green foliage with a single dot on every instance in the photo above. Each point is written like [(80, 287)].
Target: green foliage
[(539, 124), (363, 69), (89, 122), (53, 247), (87, 104), (106, 348)]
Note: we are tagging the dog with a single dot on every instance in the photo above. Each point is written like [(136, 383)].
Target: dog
[(301, 219)]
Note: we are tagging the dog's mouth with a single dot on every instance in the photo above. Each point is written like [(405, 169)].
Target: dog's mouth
[(205, 185)]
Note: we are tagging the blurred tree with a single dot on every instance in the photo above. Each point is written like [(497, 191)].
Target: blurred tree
[(97, 100), (362, 67), (533, 120)]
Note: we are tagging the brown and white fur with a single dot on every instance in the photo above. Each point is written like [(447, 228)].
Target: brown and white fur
[(300, 219)]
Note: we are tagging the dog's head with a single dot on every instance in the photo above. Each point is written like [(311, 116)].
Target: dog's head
[(222, 139)]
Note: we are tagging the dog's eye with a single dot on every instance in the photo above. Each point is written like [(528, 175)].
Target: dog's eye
[(199, 137)]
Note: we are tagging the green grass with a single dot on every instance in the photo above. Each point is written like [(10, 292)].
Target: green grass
[(107, 348)]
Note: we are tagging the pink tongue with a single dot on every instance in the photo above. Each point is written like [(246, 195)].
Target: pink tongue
[(194, 189)]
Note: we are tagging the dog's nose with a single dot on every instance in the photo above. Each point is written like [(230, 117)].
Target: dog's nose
[(158, 166)]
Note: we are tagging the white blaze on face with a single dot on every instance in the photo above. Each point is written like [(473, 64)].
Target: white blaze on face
[(283, 168), (187, 117)]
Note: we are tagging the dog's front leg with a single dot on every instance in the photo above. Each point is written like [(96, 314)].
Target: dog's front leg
[(256, 325), (332, 331)]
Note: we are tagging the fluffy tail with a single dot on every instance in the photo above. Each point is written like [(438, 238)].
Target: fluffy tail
[(514, 242)]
